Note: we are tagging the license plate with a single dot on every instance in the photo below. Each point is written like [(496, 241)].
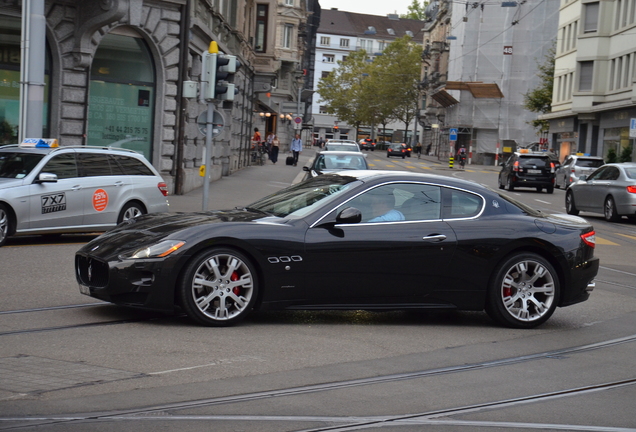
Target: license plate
[(84, 290), (534, 171)]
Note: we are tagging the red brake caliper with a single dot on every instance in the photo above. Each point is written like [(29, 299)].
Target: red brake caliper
[(507, 292), (236, 290)]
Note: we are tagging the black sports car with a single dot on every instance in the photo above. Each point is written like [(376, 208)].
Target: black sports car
[(325, 243)]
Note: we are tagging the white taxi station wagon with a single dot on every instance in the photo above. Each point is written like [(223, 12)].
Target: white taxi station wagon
[(48, 189)]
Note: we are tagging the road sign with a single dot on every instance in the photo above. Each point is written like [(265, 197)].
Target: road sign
[(217, 123), (298, 120), (452, 134), (632, 128)]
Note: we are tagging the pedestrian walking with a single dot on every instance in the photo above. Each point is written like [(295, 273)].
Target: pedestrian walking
[(428, 149), (274, 145), (296, 147), (418, 149)]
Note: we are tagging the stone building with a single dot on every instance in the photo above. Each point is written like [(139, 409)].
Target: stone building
[(114, 73)]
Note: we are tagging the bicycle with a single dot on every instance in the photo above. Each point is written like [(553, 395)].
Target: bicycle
[(258, 155)]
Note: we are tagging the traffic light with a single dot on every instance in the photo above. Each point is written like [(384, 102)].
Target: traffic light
[(218, 73), (226, 66)]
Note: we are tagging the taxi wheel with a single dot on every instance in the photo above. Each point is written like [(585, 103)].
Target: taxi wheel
[(130, 211), (6, 225)]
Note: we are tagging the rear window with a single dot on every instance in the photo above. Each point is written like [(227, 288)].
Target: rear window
[(133, 166), (534, 160), (631, 173), (589, 163)]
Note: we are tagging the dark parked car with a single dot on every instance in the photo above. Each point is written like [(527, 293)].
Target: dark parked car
[(527, 169), (610, 190), (310, 247), (573, 167), (397, 150)]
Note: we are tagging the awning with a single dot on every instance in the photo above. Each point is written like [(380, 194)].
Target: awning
[(476, 88), (443, 98)]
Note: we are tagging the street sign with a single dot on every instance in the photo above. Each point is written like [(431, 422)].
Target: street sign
[(632, 128), (298, 120), (452, 134), (217, 123)]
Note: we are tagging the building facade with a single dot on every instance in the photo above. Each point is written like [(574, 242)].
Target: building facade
[(341, 33), (594, 97), (114, 74)]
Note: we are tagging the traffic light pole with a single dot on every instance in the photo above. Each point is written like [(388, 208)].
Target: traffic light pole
[(208, 154)]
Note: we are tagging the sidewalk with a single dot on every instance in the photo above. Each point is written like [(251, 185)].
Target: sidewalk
[(238, 188)]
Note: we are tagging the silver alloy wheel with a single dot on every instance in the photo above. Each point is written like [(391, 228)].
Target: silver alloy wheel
[(611, 214), (4, 225), (222, 287), (132, 212), (528, 290)]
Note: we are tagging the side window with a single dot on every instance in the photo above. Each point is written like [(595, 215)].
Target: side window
[(596, 175), (612, 174), (63, 165), (461, 204), (94, 164), (132, 166)]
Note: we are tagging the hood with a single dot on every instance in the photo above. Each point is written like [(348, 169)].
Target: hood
[(151, 228), (6, 183)]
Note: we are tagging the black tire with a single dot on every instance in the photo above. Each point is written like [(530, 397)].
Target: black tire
[(524, 291), (609, 210), (509, 185), (570, 206), (539, 188), (6, 224), (549, 189), (219, 287), (403, 156), (130, 210), (501, 185)]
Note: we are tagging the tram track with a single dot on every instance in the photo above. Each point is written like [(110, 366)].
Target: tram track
[(170, 411)]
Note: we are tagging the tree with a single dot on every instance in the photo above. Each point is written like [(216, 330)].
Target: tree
[(416, 10), (539, 100)]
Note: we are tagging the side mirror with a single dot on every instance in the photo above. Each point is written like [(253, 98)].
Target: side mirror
[(349, 215), (46, 178), (583, 177), (306, 168)]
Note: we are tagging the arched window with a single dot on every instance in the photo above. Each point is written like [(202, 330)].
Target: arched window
[(122, 95)]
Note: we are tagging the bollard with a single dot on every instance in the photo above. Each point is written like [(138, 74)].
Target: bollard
[(450, 162)]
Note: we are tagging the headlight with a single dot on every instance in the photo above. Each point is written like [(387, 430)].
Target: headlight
[(158, 250)]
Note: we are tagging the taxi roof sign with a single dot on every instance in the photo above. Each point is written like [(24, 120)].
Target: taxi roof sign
[(39, 142)]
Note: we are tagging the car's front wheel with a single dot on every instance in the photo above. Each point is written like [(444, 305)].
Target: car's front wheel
[(130, 211), (524, 292), (570, 206), (5, 224), (218, 288), (609, 210)]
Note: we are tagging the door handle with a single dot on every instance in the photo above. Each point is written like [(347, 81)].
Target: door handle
[(119, 183), (435, 238), (76, 187)]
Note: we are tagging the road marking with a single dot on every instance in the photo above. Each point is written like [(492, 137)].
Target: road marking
[(541, 201), (411, 167), (625, 235), (602, 241)]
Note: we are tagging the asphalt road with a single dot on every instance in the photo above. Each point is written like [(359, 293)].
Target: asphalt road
[(71, 363)]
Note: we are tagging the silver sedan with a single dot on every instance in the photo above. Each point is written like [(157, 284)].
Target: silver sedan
[(610, 190)]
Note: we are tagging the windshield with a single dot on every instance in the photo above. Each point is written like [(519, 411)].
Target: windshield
[(300, 199), (337, 162), (18, 165)]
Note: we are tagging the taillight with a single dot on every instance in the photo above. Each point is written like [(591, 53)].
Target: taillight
[(589, 238), (163, 188), (515, 167), (631, 189), (551, 167)]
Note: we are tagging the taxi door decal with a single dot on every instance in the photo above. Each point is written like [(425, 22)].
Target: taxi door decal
[(53, 203), (100, 200)]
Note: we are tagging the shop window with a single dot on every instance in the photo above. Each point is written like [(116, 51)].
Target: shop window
[(122, 95), (10, 56)]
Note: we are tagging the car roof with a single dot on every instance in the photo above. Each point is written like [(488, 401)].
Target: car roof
[(380, 175), (341, 152), (47, 150), (533, 154)]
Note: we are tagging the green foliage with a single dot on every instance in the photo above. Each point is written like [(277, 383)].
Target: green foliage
[(611, 156), (539, 99), (416, 11), (374, 93), (626, 154)]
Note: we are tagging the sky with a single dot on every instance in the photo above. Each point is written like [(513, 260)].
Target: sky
[(371, 7)]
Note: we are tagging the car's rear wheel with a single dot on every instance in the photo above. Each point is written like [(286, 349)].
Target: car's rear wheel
[(218, 288), (509, 185), (570, 206), (524, 292), (6, 226), (549, 189), (130, 211), (539, 188), (609, 210)]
